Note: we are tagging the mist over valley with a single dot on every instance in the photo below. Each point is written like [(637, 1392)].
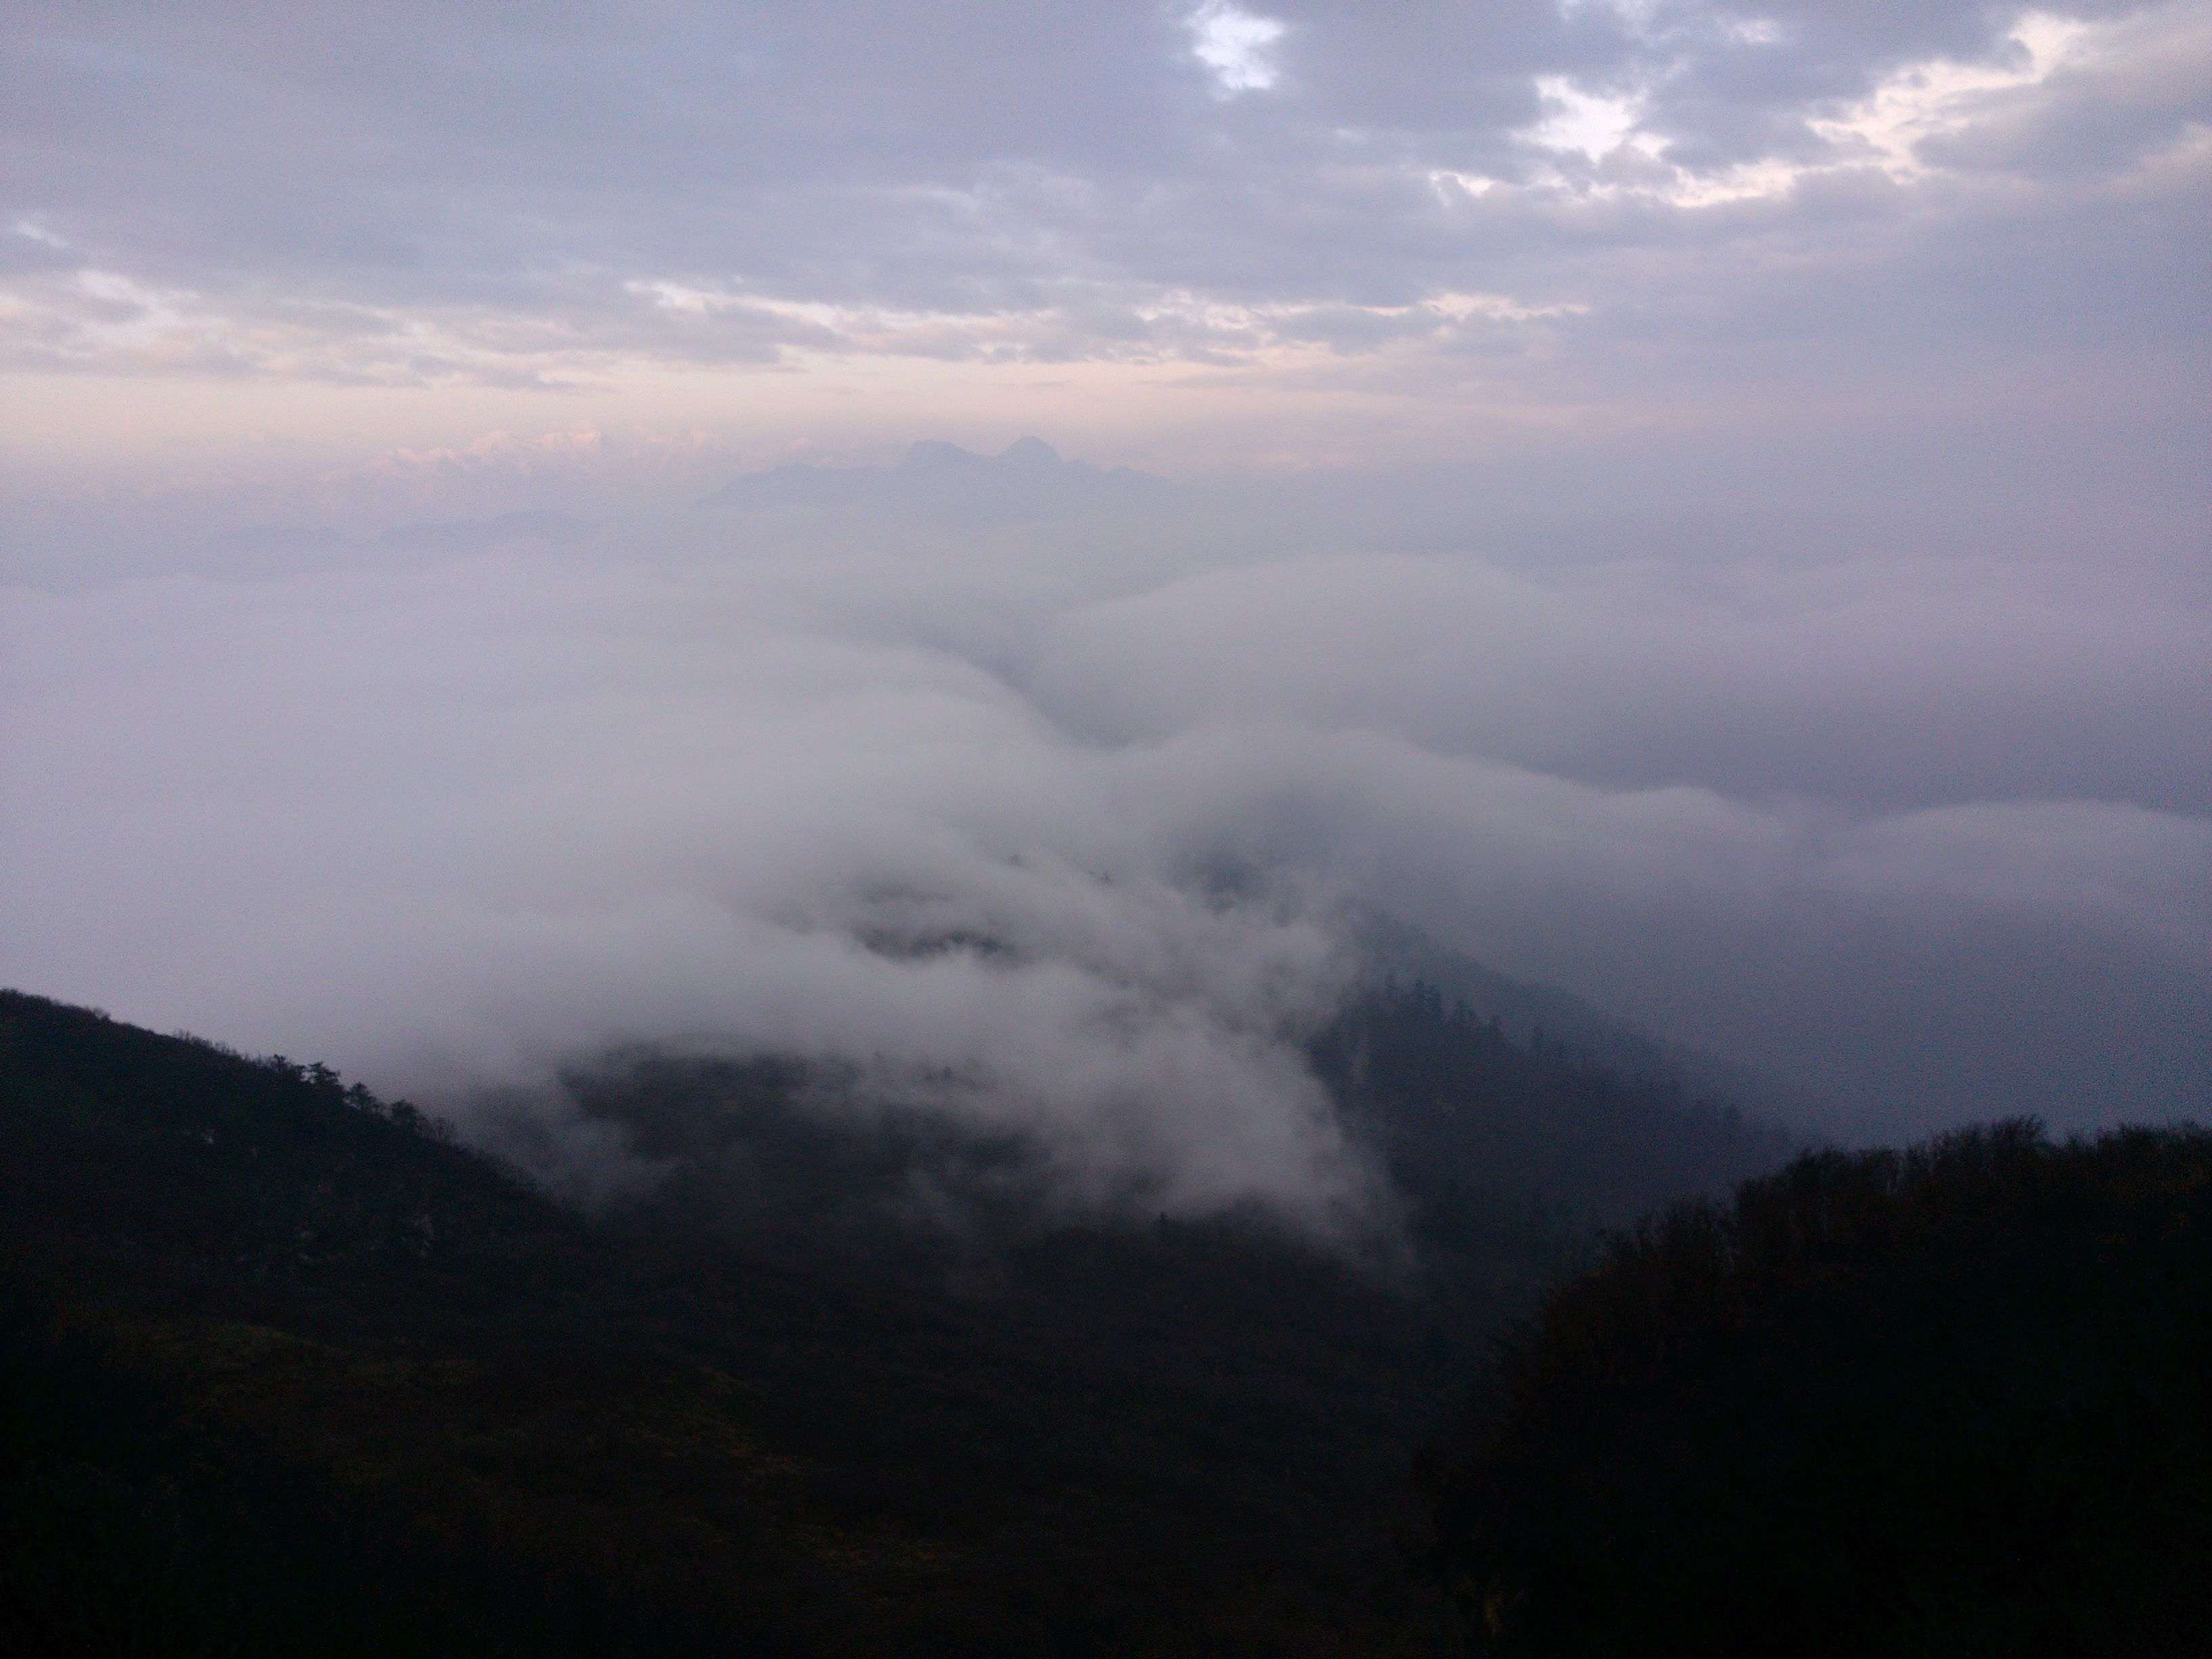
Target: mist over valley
[(1239, 827)]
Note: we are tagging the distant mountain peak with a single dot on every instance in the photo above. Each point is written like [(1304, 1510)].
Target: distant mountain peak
[(1029, 477), (934, 454), (1029, 452)]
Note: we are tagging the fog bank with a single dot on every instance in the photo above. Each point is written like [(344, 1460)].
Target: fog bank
[(1023, 794)]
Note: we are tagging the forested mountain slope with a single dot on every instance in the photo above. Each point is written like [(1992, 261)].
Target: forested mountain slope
[(1463, 1111), (1525, 1011), (1953, 1401), (309, 1378)]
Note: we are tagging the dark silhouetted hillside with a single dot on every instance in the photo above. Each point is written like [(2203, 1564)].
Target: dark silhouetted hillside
[(306, 1377), (1953, 1401)]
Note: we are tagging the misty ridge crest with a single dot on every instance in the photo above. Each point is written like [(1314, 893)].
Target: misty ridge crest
[(1451, 1113)]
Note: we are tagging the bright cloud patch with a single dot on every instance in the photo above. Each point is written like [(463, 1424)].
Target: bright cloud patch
[(1236, 47), (1579, 123), (1941, 99)]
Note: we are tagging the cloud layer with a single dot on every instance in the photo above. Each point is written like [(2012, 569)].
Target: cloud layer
[(1495, 195), (1006, 781)]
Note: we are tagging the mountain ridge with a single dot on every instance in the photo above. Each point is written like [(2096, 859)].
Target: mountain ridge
[(641, 1430)]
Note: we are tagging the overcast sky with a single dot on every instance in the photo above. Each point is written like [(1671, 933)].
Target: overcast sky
[(1705, 505), (1298, 234)]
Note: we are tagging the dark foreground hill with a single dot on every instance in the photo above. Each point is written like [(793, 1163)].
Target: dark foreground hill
[(1956, 1402), (285, 1371)]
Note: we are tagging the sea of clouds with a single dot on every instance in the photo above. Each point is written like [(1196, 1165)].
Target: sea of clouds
[(1050, 796)]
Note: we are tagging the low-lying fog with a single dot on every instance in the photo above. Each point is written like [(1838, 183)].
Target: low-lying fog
[(1052, 792)]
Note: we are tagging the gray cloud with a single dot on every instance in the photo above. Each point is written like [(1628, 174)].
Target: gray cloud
[(495, 194), (450, 810)]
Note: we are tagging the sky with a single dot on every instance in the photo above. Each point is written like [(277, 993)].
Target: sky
[(1707, 507)]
